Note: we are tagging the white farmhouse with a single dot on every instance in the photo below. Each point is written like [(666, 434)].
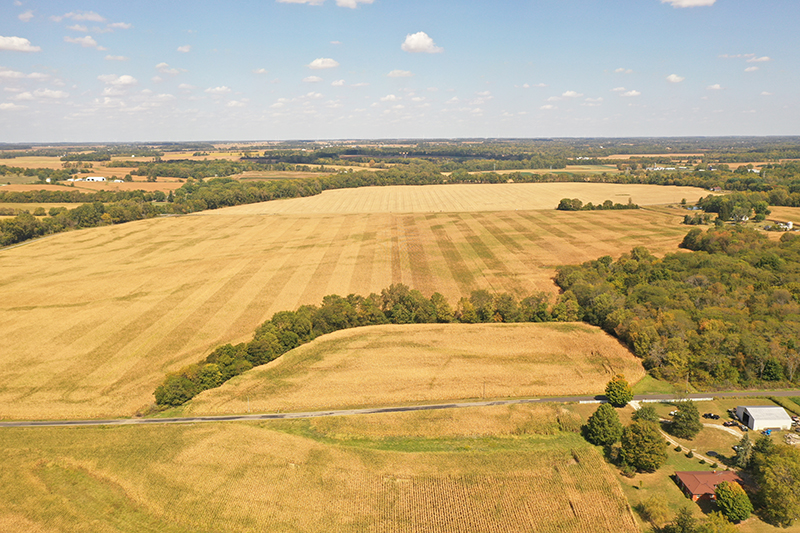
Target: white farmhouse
[(758, 417)]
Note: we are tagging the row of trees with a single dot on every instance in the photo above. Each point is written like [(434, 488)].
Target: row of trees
[(396, 304), (575, 204)]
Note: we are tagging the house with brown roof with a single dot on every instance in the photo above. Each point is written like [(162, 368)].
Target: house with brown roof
[(701, 485)]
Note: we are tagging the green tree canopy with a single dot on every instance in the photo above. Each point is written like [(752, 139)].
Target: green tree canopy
[(643, 446), (686, 422), (646, 412), (733, 502), (618, 391), (603, 428), (778, 476)]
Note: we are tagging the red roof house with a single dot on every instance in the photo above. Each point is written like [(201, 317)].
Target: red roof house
[(697, 485)]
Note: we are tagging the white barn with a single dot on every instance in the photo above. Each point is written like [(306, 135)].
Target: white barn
[(95, 178), (758, 417)]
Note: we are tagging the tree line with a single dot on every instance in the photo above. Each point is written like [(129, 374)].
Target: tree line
[(397, 304), (726, 315), (575, 204)]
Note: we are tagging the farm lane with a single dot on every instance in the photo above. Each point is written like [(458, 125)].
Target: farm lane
[(378, 410)]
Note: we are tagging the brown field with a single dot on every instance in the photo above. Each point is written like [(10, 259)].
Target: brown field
[(163, 184), (110, 310), (391, 365), (465, 198), (33, 162), (287, 476)]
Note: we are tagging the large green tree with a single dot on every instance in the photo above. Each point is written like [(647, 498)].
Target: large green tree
[(777, 473), (618, 391), (603, 428), (643, 446), (686, 422), (733, 502)]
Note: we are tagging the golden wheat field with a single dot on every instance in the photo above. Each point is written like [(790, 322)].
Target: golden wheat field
[(391, 365), (93, 319), (467, 198), (289, 476)]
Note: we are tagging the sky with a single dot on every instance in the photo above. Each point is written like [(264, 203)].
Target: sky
[(238, 70)]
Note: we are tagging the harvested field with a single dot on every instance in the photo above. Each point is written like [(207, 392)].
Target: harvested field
[(110, 310), (163, 184), (466, 198), (391, 365), (280, 477)]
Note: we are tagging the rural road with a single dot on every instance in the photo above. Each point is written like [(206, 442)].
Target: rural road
[(374, 410)]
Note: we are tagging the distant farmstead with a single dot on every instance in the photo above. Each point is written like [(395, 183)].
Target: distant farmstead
[(701, 485), (95, 178), (758, 417)]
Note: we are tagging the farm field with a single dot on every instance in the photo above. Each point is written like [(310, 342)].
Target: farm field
[(297, 476), (111, 310), (572, 169), (466, 198), (392, 365)]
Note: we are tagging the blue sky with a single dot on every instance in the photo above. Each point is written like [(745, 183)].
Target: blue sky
[(155, 70)]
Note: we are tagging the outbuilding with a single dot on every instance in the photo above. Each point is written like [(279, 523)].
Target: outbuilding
[(95, 178), (701, 485), (758, 417)]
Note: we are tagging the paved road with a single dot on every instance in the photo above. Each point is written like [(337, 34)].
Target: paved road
[(374, 410)]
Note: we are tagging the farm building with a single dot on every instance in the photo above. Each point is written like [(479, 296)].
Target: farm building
[(759, 417), (701, 485), (95, 178)]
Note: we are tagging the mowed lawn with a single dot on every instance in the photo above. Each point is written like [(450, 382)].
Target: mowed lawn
[(393, 365), (94, 319), (527, 475)]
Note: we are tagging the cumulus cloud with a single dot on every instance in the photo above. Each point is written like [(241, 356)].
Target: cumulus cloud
[(17, 44), (338, 83), (91, 16), (117, 81), (623, 70), (26, 16), (42, 93), (79, 28), (116, 58), (633, 92), (120, 26), (10, 106), (13, 74), (674, 78), (352, 4), (715, 87), (571, 94), (618, 89), (323, 62), (400, 74), (759, 59), (548, 106), (260, 71), (689, 3), (86, 42), (389, 98), (751, 69), (235, 103), (765, 93), (312, 79), (309, 2), (185, 48), (166, 69), (218, 90), (420, 43)]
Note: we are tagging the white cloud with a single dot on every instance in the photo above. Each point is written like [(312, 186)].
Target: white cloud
[(674, 78), (309, 2), (595, 100), (23, 96), (571, 94), (751, 69), (336, 42), (389, 98), (116, 58), (420, 42), (218, 90), (312, 79), (312, 96), (623, 70), (360, 84), (260, 71), (79, 28), (13, 74), (548, 106), (715, 87), (49, 93), (86, 42), (185, 48), (337, 83), (11, 105), (554, 99), (762, 59), (400, 74), (323, 62), (120, 26), (164, 68), (765, 93), (91, 16), (185, 87), (235, 103), (352, 4), (631, 93), (689, 3), (17, 44), (618, 89), (117, 81), (25, 17)]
